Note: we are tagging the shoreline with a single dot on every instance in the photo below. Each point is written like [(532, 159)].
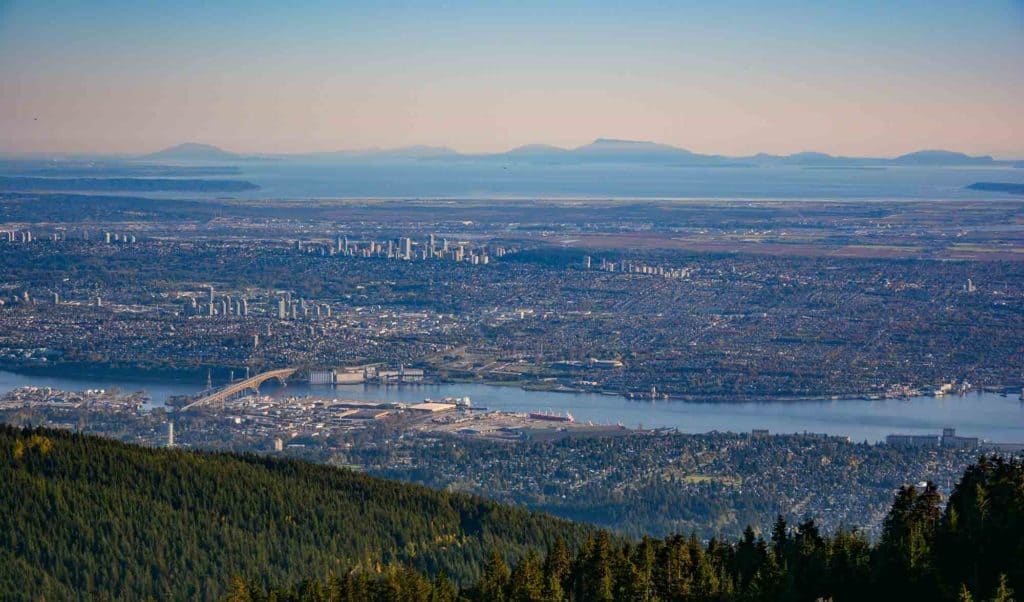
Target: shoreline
[(184, 376)]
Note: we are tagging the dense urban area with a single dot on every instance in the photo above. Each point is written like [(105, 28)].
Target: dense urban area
[(812, 302), (521, 301), (715, 302)]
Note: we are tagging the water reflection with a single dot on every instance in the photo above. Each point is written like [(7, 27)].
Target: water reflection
[(986, 415)]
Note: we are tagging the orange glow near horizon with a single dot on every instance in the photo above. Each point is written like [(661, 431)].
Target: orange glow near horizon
[(469, 80)]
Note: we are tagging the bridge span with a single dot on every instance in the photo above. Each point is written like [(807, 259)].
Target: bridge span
[(250, 384)]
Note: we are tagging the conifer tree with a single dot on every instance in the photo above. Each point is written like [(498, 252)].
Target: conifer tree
[(494, 583)]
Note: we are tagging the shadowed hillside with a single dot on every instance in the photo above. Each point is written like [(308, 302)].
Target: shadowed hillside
[(83, 515)]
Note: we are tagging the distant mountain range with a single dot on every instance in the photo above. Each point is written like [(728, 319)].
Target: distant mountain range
[(192, 151), (602, 150)]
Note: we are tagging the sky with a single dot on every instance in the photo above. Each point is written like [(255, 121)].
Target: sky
[(876, 78)]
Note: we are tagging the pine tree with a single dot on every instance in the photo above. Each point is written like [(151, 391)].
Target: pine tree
[(965, 594), (494, 583), (557, 565), (748, 557), (905, 550), (443, 589), (595, 578), (239, 591), (1003, 591), (780, 537), (527, 582)]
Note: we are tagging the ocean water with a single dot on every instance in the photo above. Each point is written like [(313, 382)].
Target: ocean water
[(435, 179)]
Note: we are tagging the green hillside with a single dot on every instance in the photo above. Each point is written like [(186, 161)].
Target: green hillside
[(970, 548), (83, 515), (88, 518)]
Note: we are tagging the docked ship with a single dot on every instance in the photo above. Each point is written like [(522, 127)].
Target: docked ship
[(553, 417)]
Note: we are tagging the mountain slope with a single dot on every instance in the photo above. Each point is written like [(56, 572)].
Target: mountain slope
[(970, 548), (601, 150), (88, 518), (606, 151), (192, 151), (941, 157), (86, 514)]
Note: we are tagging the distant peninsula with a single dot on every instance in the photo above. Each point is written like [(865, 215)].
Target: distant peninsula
[(23, 183), (1007, 187)]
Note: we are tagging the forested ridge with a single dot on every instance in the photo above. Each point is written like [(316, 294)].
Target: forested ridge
[(88, 518), (971, 549), (84, 516)]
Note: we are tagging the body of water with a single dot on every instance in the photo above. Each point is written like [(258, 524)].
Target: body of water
[(986, 415), (429, 179)]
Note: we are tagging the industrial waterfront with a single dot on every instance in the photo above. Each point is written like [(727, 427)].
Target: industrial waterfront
[(989, 416)]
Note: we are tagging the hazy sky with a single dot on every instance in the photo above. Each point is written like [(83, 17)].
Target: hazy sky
[(859, 78)]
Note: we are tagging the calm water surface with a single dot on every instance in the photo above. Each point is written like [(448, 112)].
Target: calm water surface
[(472, 180), (986, 415)]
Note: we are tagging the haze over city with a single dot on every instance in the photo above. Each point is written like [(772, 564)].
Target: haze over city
[(871, 78), (495, 300)]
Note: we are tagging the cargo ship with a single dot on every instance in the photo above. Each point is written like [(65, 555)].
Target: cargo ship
[(552, 416)]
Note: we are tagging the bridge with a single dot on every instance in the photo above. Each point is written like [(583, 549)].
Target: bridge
[(250, 384)]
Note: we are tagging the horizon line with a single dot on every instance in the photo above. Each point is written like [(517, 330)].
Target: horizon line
[(997, 156)]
